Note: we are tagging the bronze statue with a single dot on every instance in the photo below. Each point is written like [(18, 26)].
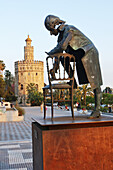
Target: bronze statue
[(73, 41)]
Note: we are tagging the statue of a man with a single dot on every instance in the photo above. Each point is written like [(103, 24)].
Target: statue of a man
[(73, 41)]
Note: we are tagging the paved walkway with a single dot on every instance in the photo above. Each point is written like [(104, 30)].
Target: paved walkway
[(15, 131), (16, 142), (16, 155)]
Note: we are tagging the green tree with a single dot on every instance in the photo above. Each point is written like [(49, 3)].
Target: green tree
[(34, 97), (2, 87), (90, 99), (85, 90), (9, 95), (8, 78), (107, 98), (9, 89), (77, 95), (81, 93), (31, 88)]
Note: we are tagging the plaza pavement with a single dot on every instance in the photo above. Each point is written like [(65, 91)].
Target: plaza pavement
[(16, 140)]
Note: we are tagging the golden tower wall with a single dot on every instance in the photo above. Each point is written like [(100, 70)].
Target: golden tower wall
[(28, 71)]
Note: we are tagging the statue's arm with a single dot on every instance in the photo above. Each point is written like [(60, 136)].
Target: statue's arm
[(62, 45)]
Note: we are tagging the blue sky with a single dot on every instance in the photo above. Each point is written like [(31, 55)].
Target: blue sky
[(18, 18)]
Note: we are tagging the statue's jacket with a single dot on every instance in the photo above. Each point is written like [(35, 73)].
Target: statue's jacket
[(71, 36)]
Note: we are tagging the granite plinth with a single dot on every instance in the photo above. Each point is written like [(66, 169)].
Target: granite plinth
[(67, 144)]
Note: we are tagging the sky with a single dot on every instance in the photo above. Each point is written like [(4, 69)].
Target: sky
[(18, 18)]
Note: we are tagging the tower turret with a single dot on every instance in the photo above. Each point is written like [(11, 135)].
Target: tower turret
[(28, 50)]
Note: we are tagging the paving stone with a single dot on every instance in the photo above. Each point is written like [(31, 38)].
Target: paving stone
[(16, 156), (15, 131)]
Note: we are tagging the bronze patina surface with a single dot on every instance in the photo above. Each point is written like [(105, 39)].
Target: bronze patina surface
[(58, 79), (73, 41)]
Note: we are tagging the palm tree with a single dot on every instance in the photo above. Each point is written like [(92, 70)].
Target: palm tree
[(78, 94), (8, 78), (2, 87), (85, 90), (81, 92)]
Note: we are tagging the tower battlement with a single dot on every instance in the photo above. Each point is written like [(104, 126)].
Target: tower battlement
[(29, 62)]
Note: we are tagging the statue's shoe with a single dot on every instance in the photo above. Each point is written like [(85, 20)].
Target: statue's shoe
[(94, 114)]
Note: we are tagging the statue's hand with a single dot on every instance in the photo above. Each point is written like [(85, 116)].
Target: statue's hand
[(47, 53)]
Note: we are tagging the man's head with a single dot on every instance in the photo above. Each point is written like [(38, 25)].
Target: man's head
[(51, 21)]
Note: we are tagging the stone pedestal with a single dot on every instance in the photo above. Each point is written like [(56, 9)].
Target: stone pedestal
[(64, 144)]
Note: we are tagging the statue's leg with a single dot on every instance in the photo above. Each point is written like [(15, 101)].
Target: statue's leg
[(67, 70), (97, 96)]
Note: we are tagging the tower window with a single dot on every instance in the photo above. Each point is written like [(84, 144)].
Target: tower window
[(21, 86), (28, 74), (36, 74)]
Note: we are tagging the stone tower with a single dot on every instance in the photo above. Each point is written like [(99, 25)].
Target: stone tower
[(28, 71), (28, 50)]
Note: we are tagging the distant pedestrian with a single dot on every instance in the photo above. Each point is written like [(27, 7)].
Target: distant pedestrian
[(66, 108), (79, 106)]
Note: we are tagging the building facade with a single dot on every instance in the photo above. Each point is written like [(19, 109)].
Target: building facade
[(28, 71)]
